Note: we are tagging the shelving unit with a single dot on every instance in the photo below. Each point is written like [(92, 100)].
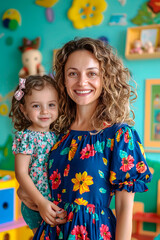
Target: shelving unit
[(134, 33)]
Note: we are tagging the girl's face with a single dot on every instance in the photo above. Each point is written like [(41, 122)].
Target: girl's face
[(83, 78), (41, 108)]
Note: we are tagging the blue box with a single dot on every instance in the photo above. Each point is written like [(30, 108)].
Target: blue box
[(6, 205)]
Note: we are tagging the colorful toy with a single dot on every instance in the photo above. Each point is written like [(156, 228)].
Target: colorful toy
[(148, 47), (137, 47), (12, 226), (31, 58), (11, 19)]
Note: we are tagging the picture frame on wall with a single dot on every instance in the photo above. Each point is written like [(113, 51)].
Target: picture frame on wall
[(152, 116)]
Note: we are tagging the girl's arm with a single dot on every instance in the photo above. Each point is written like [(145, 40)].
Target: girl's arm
[(46, 208), (124, 208)]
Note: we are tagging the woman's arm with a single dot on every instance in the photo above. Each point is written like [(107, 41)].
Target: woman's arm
[(46, 208), (124, 208)]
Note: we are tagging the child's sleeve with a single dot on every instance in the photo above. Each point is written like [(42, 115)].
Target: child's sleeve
[(128, 169), (22, 143)]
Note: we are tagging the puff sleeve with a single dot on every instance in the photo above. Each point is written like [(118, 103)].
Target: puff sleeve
[(22, 143), (128, 169)]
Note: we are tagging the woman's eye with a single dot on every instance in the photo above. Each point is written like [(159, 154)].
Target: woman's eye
[(72, 74), (92, 74)]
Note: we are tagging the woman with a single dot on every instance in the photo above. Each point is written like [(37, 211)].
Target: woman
[(98, 153)]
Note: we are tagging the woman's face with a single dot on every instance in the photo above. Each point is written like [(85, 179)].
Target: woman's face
[(83, 79)]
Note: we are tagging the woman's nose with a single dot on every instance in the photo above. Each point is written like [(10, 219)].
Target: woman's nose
[(82, 80)]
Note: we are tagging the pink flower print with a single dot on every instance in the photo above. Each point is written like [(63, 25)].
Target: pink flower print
[(127, 163), (47, 238), (39, 169), (141, 167), (88, 151), (34, 165), (55, 179), (43, 146), (35, 140), (91, 208), (40, 181), (14, 146), (80, 232), (34, 174), (47, 151), (104, 231), (40, 159), (44, 174), (126, 137), (18, 139)]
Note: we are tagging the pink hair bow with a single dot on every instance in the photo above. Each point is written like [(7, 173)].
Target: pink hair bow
[(19, 93)]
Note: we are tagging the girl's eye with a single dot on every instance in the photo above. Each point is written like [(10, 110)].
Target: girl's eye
[(52, 105), (35, 106)]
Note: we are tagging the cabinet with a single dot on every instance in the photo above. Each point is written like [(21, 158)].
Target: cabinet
[(133, 34)]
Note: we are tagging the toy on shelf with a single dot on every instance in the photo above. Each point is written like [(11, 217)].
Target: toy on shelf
[(31, 58), (148, 47), (12, 225), (137, 47)]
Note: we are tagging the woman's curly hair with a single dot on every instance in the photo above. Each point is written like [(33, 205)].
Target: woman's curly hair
[(32, 82), (117, 94)]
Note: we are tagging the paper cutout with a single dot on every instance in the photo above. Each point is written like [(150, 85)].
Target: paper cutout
[(11, 19), (86, 13), (3, 105), (146, 16), (122, 2), (154, 5), (46, 3), (118, 19), (49, 15)]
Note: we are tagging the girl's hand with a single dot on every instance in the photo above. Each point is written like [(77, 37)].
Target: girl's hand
[(51, 213)]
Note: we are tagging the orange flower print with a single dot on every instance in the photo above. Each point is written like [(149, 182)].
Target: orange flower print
[(66, 170), (118, 134), (88, 151), (112, 177), (142, 149), (81, 182), (73, 149), (80, 232), (55, 179), (81, 201), (70, 217), (55, 146), (141, 167), (105, 233), (127, 163)]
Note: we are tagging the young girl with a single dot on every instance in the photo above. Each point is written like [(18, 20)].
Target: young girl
[(34, 111)]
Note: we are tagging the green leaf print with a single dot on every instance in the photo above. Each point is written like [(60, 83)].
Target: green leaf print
[(72, 237), (65, 151), (50, 163), (99, 146), (102, 190), (123, 154), (60, 235)]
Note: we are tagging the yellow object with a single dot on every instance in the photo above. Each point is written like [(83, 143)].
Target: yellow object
[(3, 109), (12, 14), (46, 3), (22, 233), (86, 13)]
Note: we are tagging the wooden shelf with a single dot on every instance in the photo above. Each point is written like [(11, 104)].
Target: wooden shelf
[(146, 217), (134, 33), (142, 237)]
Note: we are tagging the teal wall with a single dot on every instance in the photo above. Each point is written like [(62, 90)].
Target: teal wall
[(54, 35)]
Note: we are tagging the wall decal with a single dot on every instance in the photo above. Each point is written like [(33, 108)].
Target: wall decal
[(148, 14), (46, 3), (118, 19), (3, 106), (122, 2), (11, 19), (7, 157), (86, 13)]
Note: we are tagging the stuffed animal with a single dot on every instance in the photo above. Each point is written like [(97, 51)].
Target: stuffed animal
[(148, 47), (137, 47), (31, 58)]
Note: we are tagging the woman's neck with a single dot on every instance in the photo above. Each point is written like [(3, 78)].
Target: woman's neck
[(83, 116)]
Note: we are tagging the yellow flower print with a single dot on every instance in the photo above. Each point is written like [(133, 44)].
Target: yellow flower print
[(81, 201), (81, 182), (73, 149), (142, 149), (86, 13), (112, 177)]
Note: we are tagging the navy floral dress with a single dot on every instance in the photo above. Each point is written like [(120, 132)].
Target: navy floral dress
[(85, 170)]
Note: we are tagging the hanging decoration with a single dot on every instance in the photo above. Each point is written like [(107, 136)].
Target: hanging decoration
[(48, 4), (118, 19), (122, 2), (11, 19), (104, 39), (149, 13), (154, 5), (86, 13)]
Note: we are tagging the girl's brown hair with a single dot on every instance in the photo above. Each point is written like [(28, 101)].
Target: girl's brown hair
[(117, 94), (32, 82)]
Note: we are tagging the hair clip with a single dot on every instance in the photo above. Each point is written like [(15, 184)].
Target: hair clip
[(19, 93)]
